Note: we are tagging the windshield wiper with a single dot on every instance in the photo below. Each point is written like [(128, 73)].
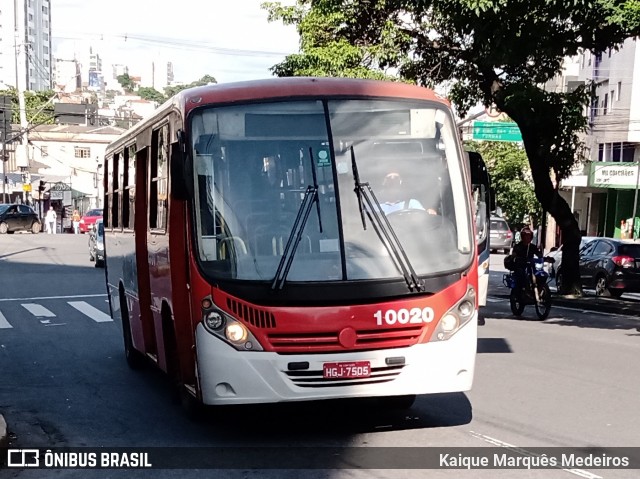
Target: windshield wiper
[(383, 228), (310, 196)]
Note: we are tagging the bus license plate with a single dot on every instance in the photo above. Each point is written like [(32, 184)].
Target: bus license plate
[(346, 370)]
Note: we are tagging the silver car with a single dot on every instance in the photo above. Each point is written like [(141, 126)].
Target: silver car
[(553, 269), (500, 236)]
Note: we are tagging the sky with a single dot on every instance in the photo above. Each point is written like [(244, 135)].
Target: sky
[(228, 39)]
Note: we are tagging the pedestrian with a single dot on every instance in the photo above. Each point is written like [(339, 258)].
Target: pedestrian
[(76, 222), (50, 220)]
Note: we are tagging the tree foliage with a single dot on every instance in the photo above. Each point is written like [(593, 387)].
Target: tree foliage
[(510, 179), (126, 82), (173, 89), (38, 106), (494, 52), (151, 94)]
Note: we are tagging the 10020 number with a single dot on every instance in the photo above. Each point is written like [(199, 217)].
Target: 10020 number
[(404, 316)]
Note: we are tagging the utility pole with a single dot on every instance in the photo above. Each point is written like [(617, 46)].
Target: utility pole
[(22, 158), (5, 125)]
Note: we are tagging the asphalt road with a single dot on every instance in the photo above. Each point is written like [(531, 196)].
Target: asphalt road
[(64, 382)]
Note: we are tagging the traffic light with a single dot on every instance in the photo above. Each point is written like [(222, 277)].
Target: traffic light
[(41, 186)]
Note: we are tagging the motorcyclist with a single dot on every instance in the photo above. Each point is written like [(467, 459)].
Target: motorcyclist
[(522, 252)]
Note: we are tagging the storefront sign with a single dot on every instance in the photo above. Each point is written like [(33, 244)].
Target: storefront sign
[(613, 175)]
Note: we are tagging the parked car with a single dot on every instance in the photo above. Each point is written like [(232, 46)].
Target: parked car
[(18, 218), (500, 235), (89, 218), (553, 268), (96, 243), (610, 266)]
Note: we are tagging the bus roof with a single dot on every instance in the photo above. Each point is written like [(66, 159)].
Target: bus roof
[(301, 87), (288, 87)]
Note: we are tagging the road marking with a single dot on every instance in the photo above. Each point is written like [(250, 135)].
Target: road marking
[(40, 298), (524, 452), (38, 310), (4, 324), (94, 313), (495, 300)]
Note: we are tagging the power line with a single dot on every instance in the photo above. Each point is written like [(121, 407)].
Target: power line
[(185, 44)]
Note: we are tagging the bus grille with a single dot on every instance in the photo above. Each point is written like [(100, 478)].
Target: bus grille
[(256, 317), (328, 342), (314, 379)]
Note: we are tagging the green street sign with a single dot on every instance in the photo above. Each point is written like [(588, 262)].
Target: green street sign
[(496, 131)]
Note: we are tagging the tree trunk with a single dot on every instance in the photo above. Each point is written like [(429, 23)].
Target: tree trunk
[(557, 207), (539, 123)]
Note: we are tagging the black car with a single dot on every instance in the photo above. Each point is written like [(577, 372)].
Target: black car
[(18, 218), (611, 266), (96, 243)]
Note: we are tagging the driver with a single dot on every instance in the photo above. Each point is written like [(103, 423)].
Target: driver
[(394, 196)]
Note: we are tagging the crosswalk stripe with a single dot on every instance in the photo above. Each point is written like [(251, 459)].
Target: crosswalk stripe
[(38, 310), (94, 313), (4, 324)]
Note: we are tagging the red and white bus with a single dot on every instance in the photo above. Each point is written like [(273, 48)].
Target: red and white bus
[(251, 253)]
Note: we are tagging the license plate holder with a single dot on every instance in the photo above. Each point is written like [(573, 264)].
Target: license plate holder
[(346, 370)]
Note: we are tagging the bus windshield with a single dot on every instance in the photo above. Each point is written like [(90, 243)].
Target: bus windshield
[(253, 164)]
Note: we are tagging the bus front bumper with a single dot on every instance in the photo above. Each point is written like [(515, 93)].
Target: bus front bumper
[(229, 376)]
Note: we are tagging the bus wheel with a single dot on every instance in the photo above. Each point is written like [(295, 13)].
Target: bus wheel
[(192, 407), (134, 358)]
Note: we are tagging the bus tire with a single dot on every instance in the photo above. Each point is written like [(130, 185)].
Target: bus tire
[(135, 359), (190, 404)]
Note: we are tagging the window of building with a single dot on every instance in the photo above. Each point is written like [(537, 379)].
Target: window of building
[(619, 89), (611, 96), (601, 152), (82, 152), (605, 103), (31, 17)]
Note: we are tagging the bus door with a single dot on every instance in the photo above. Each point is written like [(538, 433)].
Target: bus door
[(142, 263), (157, 270), (482, 201)]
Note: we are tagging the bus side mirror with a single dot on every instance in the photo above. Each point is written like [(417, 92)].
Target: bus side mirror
[(492, 199), (179, 171)]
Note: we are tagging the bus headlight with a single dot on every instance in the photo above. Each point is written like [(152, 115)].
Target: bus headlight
[(214, 320), (227, 328), (456, 317), (449, 323), (236, 332)]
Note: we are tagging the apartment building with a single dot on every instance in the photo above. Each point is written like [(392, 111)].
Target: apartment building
[(25, 27), (602, 189)]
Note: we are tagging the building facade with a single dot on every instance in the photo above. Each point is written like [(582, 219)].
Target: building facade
[(603, 189), (25, 43)]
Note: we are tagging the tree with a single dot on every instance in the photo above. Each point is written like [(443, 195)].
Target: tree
[(510, 178), (126, 82), (151, 94), (38, 106), (174, 89), (494, 52), (325, 52)]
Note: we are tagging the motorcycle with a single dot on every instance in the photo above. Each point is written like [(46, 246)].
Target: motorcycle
[(534, 291)]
